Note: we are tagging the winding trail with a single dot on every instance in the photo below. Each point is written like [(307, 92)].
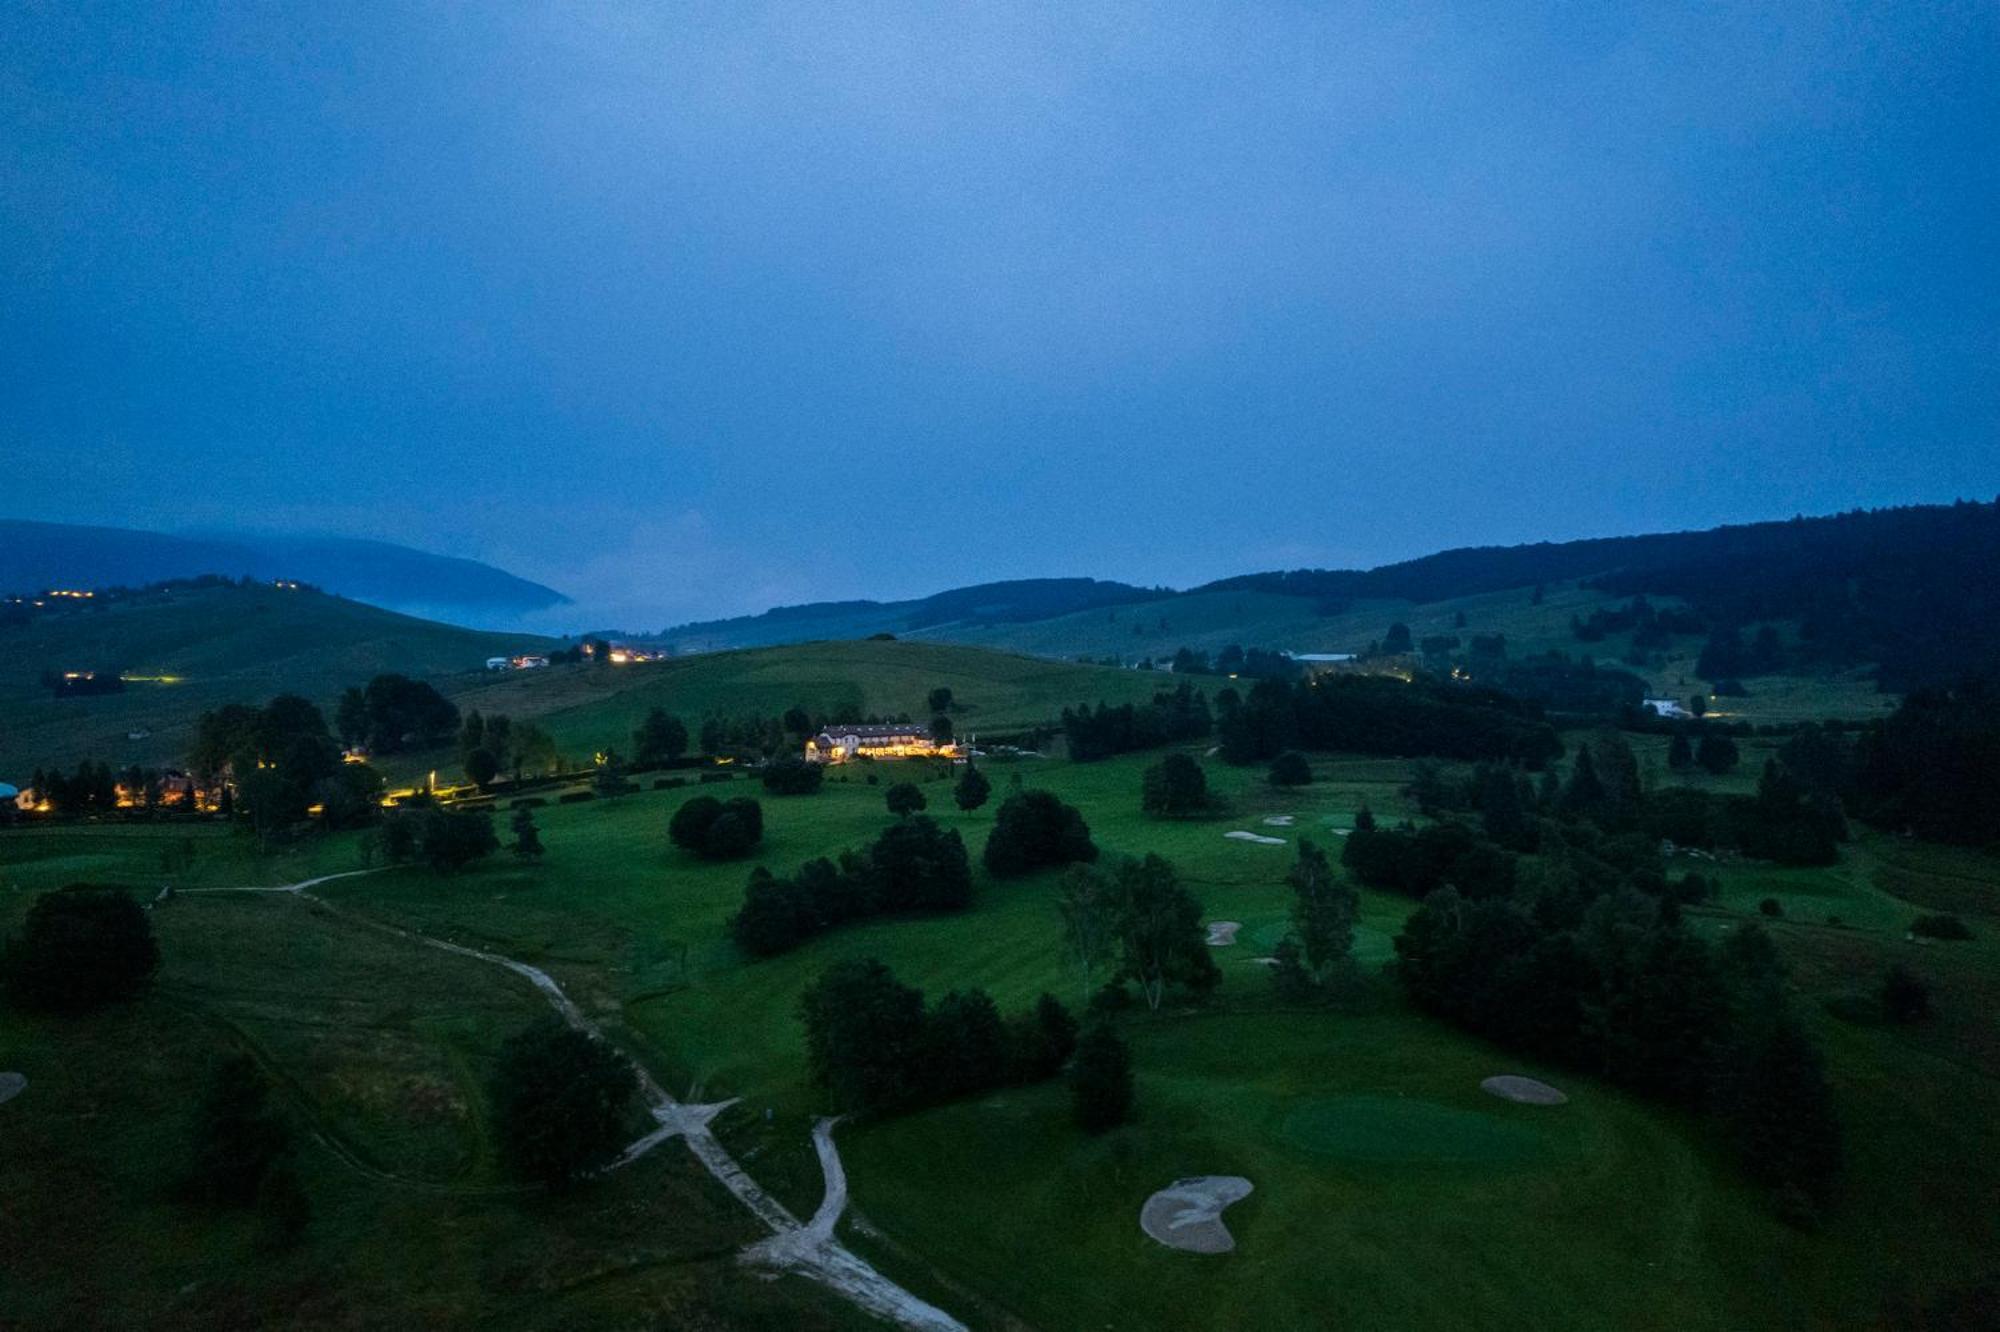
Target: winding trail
[(810, 1250)]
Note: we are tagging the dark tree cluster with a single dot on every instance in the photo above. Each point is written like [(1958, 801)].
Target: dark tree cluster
[(491, 745), (660, 739), (1101, 732), (281, 760), (913, 866), (1251, 663), (1583, 968), (1559, 683), (1291, 768), (1725, 655), (444, 839), (1382, 715), (1175, 787), (1036, 830), (393, 714), (1651, 628), (91, 789), (561, 1102), (1931, 766), (717, 829), (875, 1046), (790, 775), (240, 1154), (80, 949)]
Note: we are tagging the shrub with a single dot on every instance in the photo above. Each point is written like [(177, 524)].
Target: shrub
[(528, 802), (1291, 769), (1906, 996), (82, 948), (717, 829), (1034, 830), (575, 797), (559, 1103), (1940, 927), (792, 775), (236, 1138), (1101, 1081), (669, 783), (905, 799), (710, 778), (1771, 907)]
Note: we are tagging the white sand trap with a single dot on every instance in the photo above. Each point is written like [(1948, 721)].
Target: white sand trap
[(1527, 1091), (1242, 836), (1263, 961), (1278, 821), (11, 1085), (1222, 933), (1188, 1214)]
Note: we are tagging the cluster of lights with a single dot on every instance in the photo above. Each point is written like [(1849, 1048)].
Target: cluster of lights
[(69, 593), (286, 583)]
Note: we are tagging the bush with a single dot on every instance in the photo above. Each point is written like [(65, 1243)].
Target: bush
[(1101, 1081), (575, 797), (236, 1138), (559, 1103), (710, 778), (82, 948), (1771, 907), (528, 802), (904, 799), (1940, 927), (1291, 769), (717, 829), (1035, 830), (669, 783), (792, 775), (1906, 996)]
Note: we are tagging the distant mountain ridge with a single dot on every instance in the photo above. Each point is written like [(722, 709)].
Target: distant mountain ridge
[(35, 556)]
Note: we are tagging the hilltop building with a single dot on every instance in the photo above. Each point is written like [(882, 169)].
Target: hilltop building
[(895, 740)]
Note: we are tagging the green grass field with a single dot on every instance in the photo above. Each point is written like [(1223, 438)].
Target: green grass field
[(1390, 1191)]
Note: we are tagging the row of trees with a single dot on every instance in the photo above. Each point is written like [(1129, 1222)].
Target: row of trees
[(913, 866), (1382, 715), (393, 713), (874, 1045), (1173, 716), (489, 746), (1135, 923)]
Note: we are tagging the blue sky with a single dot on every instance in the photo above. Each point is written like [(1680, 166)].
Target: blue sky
[(693, 309)]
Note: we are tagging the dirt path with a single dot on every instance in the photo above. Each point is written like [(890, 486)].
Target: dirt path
[(810, 1250)]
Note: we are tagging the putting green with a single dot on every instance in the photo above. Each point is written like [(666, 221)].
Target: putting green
[(1394, 1129)]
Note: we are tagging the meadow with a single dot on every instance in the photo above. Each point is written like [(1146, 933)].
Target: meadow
[(1390, 1189)]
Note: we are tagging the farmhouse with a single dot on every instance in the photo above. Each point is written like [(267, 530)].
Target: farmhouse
[(1669, 708), (838, 744)]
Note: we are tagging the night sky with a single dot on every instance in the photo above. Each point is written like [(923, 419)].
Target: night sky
[(690, 310)]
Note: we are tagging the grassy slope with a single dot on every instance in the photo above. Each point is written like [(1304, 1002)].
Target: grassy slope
[(589, 709), (227, 644), (1608, 1212)]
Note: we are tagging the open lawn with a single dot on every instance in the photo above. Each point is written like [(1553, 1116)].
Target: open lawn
[(1390, 1190)]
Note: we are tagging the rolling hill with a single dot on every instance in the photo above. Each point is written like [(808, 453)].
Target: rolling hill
[(187, 649), (37, 556)]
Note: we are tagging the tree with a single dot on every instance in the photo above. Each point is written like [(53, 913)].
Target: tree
[(1291, 769), (1161, 938), (1089, 912), (942, 731), (972, 789), (1780, 1114), (1698, 705), (481, 767), (1173, 787), (1716, 752), (940, 699), (865, 1031), (1101, 1080), (560, 1103), (1035, 830), (1906, 997), (237, 1140), (797, 722), (527, 837), (965, 1046), (791, 775), (905, 799), (1324, 911), (1398, 639), (717, 830), (660, 738), (402, 713), (446, 841), (81, 948), (1680, 754), (1041, 1043), (915, 865)]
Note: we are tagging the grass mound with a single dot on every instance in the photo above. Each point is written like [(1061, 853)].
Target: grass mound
[(1400, 1131)]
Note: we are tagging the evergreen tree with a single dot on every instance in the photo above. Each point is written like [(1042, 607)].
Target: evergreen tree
[(661, 738), (527, 837), (1680, 754), (237, 1140), (1324, 911), (1174, 786), (1101, 1086), (972, 789)]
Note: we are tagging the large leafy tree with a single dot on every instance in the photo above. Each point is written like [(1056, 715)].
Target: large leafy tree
[(81, 948), (561, 1100), (1162, 941)]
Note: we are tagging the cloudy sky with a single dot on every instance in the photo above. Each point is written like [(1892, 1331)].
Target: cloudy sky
[(692, 309)]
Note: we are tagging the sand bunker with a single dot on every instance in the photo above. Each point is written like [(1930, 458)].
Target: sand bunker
[(1222, 933), (1241, 836), (1278, 821), (11, 1085), (1188, 1213), (1527, 1091)]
